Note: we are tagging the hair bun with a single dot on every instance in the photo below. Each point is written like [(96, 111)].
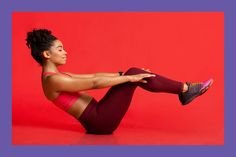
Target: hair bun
[(37, 36)]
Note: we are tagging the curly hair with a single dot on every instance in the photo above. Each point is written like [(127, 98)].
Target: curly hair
[(39, 40)]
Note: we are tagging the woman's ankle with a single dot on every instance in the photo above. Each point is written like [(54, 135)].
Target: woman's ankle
[(185, 88)]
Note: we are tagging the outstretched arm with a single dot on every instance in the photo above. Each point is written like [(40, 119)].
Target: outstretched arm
[(60, 83), (107, 74), (92, 75)]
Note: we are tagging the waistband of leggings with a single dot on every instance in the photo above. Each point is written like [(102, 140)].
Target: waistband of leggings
[(87, 110)]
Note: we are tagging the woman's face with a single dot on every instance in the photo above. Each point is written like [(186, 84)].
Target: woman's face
[(57, 53)]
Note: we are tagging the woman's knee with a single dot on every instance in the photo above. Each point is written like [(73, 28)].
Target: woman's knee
[(134, 70)]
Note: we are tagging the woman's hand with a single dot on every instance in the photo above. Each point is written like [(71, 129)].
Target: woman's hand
[(139, 77), (148, 70)]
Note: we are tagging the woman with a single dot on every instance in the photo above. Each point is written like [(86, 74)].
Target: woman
[(104, 116)]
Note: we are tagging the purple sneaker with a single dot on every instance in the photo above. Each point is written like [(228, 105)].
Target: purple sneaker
[(194, 90)]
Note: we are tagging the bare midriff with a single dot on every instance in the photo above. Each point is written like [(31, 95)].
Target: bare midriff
[(79, 106)]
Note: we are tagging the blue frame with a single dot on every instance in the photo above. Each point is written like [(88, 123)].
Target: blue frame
[(7, 7)]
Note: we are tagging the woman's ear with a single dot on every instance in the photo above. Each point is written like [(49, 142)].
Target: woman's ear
[(46, 54)]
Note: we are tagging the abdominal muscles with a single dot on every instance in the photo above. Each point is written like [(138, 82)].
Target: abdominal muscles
[(79, 106)]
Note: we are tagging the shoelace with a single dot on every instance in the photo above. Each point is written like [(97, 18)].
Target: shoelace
[(194, 87)]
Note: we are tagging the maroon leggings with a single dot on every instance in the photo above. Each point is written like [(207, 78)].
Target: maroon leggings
[(103, 117)]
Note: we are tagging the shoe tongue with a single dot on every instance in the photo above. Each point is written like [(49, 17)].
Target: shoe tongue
[(195, 87), (193, 83)]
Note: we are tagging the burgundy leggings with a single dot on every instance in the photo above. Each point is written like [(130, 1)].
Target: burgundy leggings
[(103, 117)]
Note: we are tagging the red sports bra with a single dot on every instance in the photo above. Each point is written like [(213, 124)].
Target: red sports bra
[(65, 99)]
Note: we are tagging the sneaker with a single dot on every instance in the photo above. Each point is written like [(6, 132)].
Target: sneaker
[(194, 90)]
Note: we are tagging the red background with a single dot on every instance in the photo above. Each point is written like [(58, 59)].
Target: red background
[(181, 46)]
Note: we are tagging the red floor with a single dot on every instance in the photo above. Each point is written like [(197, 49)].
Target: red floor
[(171, 124)]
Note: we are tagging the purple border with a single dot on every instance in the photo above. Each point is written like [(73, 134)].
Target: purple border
[(9, 6)]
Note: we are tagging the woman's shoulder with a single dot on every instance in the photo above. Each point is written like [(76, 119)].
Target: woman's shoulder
[(66, 74), (54, 77)]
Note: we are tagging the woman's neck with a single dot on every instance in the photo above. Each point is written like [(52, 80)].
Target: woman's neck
[(49, 67)]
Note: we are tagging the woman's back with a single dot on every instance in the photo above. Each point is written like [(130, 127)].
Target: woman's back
[(72, 102)]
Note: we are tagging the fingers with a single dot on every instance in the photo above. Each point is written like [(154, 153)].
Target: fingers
[(146, 76), (149, 75), (144, 81), (148, 70)]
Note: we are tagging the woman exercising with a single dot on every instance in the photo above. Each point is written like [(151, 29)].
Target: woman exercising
[(104, 116)]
